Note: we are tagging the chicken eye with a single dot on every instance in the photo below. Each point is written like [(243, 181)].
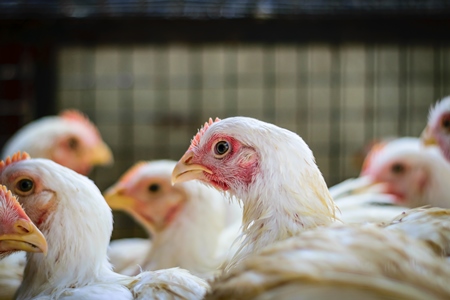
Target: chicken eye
[(25, 185), (221, 148), (73, 143), (154, 187), (446, 123), (397, 168)]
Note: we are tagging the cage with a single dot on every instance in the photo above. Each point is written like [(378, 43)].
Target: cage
[(149, 73)]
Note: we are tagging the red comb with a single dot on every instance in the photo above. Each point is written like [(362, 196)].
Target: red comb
[(77, 116), (131, 172), (374, 151), (5, 193), (196, 139), (14, 158), (12, 200)]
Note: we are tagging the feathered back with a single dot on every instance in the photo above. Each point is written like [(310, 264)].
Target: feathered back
[(326, 262)]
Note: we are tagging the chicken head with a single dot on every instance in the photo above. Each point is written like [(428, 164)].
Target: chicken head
[(17, 232), (69, 139), (145, 192)]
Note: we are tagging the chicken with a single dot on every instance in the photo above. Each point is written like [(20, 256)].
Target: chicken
[(229, 155), (339, 262), (17, 233), (75, 219), (286, 203), (437, 131), (187, 222), (69, 139), (248, 159), (412, 174)]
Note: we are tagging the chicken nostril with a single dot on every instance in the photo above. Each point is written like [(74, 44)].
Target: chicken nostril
[(188, 160), (22, 229)]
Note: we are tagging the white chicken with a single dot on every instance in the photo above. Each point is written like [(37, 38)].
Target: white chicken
[(273, 172), (228, 154), (69, 139), (17, 233), (73, 216), (339, 262), (189, 223), (412, 174), (437, 131)]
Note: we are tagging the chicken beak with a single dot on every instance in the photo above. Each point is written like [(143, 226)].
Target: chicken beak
[(427, 138), (367, 184), (25, 236), (361, 185), (116, 199), (101, 155), (185, 171)]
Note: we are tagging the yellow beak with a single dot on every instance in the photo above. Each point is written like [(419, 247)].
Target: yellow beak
[(101, 155), (116, 200), (25, 236), (184, 171), (427, 138)]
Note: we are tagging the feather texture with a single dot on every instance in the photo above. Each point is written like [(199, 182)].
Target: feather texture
[(72, 214)]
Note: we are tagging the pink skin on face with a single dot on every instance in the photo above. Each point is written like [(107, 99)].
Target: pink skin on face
[(400, 179), (237, 166)]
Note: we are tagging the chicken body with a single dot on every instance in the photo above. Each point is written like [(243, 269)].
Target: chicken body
[(17, 233), (339, 262), (69, 139), (191, 225), (73, 216), (285, 198)]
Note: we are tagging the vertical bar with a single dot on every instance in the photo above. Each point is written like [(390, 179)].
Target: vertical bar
[(335, 149), (403, 116), (302, 93), (45, 81), (195, 86), (231, 81), (438, 68), (369, 103), (124, 82), (269, 83), (162, 138)]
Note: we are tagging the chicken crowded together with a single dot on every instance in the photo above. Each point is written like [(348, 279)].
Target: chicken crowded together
[(231, 219)]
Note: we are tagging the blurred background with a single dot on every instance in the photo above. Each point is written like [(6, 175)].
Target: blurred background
[(149, 73)]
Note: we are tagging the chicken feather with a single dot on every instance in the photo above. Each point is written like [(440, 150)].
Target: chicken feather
[(73, 216)]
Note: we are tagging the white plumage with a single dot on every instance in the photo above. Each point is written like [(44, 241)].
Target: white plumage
[(273, 172), (192, 226), (413, 174), (74, 217), (17, 233), (339, 262), (437, 131), (69, 139)]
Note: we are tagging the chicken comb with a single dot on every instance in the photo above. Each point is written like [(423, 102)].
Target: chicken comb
[(374, 151), (77, 116), (196, 139), (18, 156), (12, 200), (131, 172), (5, 193)]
